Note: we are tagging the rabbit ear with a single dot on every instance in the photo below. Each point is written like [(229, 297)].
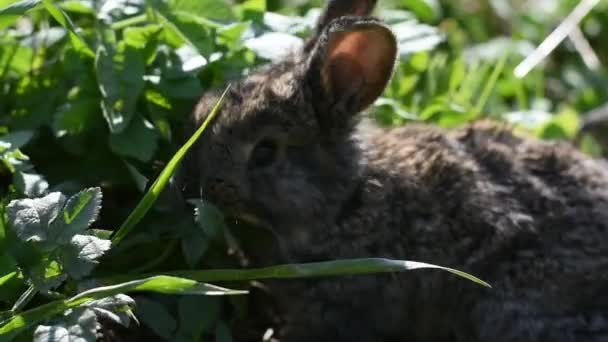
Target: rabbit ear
[(340, 8), (350, 66)]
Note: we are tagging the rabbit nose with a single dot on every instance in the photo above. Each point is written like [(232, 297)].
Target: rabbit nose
[(221, 190)]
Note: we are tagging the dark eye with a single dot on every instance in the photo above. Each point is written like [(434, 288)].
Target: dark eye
[(264, 153)]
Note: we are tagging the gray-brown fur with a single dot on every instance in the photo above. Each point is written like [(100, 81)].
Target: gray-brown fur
[(530, 217)]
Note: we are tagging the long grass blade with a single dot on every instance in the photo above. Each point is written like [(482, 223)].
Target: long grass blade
[(490, 84), (309, 270), (161, 182)]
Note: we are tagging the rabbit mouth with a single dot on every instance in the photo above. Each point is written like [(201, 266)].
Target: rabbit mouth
[(248, 216), (253, 220)]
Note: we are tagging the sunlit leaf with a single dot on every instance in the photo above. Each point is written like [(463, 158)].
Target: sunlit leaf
[(79, 212), (79, 324), (30, 218), (80, 256), (20, 7)]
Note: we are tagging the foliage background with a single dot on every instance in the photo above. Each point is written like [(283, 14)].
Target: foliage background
[(97, 92)]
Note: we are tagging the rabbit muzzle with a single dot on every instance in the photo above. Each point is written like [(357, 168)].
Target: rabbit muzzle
[(221, 191)]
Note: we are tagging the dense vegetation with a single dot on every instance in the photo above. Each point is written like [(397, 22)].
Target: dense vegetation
[(93, 96)]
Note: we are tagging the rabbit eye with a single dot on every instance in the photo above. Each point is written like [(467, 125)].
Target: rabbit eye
[(264, 153)]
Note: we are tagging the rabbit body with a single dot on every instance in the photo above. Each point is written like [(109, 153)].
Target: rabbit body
[(288, 152)]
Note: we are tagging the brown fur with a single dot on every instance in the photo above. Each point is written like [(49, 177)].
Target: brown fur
[(288, 152)]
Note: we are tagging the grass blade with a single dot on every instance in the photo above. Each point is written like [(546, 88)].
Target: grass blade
[(65, 21), (309, 270), (19, 7), (490, 84), (162, 284), (159, 184)]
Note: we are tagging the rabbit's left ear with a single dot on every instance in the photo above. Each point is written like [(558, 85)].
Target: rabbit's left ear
[(340, 8), (350, 66)]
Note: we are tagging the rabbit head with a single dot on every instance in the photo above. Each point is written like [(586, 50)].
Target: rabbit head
[(282, 150)]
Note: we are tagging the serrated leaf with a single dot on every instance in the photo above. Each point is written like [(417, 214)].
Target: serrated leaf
[(78, 213), (30, 218), (45, 275), (79, 324), (79, 258), (115, 308)]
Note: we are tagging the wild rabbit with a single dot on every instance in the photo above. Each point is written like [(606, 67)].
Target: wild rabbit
[(289, 152)]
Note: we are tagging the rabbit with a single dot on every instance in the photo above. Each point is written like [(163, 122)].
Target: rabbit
[(291, 152)]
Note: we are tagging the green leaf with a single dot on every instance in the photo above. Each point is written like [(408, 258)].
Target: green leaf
[(19, 7), (252, 10), (30, 218), (77, 116), (157, 318), (163, 179), (194, 321), (209, 218), (222, 333), (15, 140), (78, 6), (211, 9), (138, 141), (62, 18), (144, 38), (184, 28), (120, 78), (79, 257), (194, 245), (79, 212), (140, 180), (426, 10)]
